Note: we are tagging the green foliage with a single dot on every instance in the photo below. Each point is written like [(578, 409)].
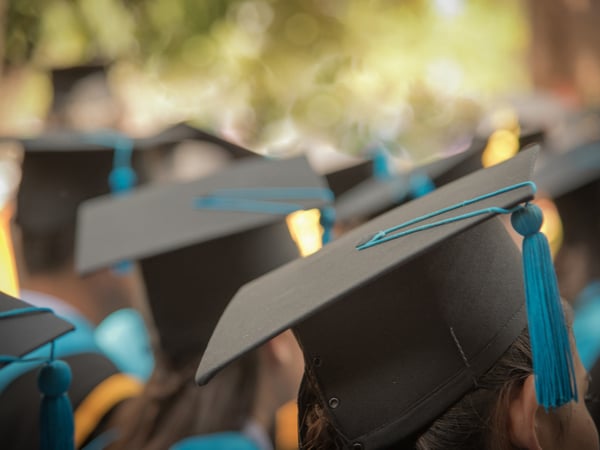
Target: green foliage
[(348, 72)]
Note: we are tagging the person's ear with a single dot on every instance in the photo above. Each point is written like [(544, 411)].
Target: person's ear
[(522, 413)]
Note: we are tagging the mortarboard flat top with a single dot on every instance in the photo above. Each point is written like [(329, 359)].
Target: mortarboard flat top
[(162, 218), (182, 132), (342, 180), (22, 334), (561, 174), (373, 196), (451, 293)]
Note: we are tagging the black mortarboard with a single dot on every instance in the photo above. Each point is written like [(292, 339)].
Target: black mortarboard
[(65, 79), (23, 333), (342, 180), (396, 333), (472, 158), (376, 194), (183, 152), (193, 258), (63, 168), (181, 132), (560, 174), (59, 171)]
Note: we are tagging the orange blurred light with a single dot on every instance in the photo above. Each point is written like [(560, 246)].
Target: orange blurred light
[(286, 433)]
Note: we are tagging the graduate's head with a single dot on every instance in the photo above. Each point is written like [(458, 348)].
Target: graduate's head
[(500, 413), (197, 242), (403, 317)]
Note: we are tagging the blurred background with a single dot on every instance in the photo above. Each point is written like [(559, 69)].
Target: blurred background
[(418, 75), (421, 78)]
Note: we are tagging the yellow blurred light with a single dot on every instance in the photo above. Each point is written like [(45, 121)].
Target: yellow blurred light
[(502, 145), (445, 75), (8, 275), (255, 16), (306, 230), (552, 226)]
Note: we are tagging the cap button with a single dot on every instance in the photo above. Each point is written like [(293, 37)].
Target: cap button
[(334, 402)]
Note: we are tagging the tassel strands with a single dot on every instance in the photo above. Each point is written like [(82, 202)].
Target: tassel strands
[(552, 358), (57, 429)]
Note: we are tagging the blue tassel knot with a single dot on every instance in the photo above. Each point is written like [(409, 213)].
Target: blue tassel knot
[(122, 179), (552, 358), (327, 221), (57, 429)]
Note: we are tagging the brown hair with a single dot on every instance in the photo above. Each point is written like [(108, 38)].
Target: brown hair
[(172, 407), (477, 421)]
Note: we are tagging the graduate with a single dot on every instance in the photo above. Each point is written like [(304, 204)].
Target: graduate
[(196, 243), (426, 328), (59, 171)]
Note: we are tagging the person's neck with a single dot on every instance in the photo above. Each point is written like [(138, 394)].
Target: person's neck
[(68, 288), (266, 402)]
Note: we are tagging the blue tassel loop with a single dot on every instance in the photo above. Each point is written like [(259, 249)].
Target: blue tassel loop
[(552, 358), (122, 179), (327, 221), (382, 168), (57, 429)]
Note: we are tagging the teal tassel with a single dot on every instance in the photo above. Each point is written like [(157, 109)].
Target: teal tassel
[(57, 430), (327, 221), (122, 180), (381, 165), (420, 185), (552, 359)]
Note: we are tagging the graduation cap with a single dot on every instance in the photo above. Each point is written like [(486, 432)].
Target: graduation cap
[(560, 174), (63, 168), (342, 180), (183, 152), (378, 194), (396, 325), (472, 158), (66, 79), (198, 242), (572, 180), (60, 170), (24, 328)]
